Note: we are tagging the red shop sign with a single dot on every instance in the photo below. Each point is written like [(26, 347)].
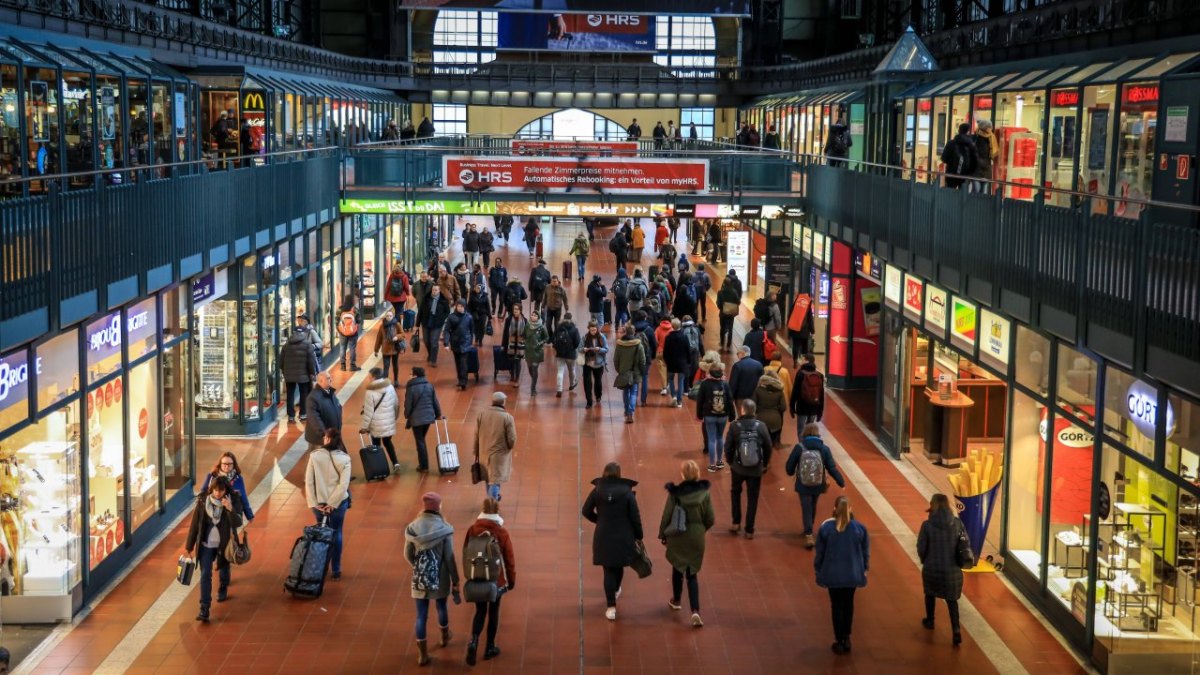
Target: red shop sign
[(983, 103), (1064, 99), (1141, 93), (924, 105)]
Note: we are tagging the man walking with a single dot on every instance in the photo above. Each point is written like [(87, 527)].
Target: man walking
[(497, 283), (555, 303), (703, 283), (580, 249), (436, 311), (748, 452), (421, 409), (567, 342), (743, 377), (460, 339), (539, 280), (298, 365), (495, 438), (324, 412)]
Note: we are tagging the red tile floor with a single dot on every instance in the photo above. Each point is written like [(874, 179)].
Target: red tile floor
[(761, 607)]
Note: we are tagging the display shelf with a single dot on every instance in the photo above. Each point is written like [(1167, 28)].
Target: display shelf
[(217, 371), (1073, 559), (46, 545), (1024, 148)]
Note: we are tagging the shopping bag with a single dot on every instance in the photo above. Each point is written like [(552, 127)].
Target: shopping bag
[(185, 570)]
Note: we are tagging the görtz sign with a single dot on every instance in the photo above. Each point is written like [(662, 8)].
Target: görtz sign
[(1141, 406)]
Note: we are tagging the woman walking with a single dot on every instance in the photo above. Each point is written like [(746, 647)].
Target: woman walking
[(381, 408), (941, 575), (388, 339), (612, 506), (595, 357), (480, 308), (429, 548), (809, 462), (685, 550), (842, 560), (327, 490), (714, 408), (729, 305), (513, 341), (227, 466), (772, 404), (488, 531), (217, 514)]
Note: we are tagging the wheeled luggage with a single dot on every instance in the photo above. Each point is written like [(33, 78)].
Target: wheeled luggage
[(374, 461), (566, 272), (447, 450), (310, 561), (408, 319), (539, 249), (473, 363), (501, 359)]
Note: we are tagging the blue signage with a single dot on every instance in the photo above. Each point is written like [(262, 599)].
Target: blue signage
[(575, 32)]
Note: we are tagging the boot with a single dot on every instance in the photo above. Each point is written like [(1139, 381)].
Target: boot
[(446, 635), (491, 652), (472, 649), (422, 653)]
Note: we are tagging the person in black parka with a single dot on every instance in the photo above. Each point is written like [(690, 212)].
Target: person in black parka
[(612, 506), (937, 547)]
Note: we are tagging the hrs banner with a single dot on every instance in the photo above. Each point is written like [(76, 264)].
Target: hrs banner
[(618, 175)]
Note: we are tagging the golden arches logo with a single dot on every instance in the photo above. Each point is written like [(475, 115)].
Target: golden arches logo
[(253, 101)]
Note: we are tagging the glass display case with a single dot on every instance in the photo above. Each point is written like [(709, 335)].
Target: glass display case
[(216, 341), (251, 370)]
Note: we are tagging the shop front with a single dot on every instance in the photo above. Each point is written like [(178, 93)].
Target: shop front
[(96, 444), (803, 120)]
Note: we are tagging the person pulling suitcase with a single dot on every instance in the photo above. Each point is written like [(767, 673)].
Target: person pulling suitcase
[(327, 490), (381, 409)]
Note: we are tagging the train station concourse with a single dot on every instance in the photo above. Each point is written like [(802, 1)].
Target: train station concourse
[(755, 336)]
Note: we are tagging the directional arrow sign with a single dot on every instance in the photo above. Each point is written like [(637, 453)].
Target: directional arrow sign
[(840, 339)]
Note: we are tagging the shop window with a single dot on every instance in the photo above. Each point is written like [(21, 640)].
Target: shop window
[(1135, 154), (1071, 460), (1025, 482), (1076, 377), (1096, 135), (216, 339), (1033, 360), (162, 124), (921, 155), (144, 445), (139, 122), (1130, 407), (941, 129), (1183, 438), (176, 419), (102, 343), (14, 388), (39, 473), (41, 120), (106, 468), (1019, 117), (251, 371), (57, 365), (77, 120), (175, 312), (1064, 134), (141, 328), (10, 126)]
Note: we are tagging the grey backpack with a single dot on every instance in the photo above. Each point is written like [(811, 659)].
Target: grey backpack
[(678, 524)]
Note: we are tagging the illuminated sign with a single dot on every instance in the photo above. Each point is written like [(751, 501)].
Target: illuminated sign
[(935, 308), (924, 105), (109, 335), (1141, 93), (983, 103), (253, 101), (1141, 404), (14, 373), (995, 336), (461, 208), (963, 321), (914, 295), (1065, 99)]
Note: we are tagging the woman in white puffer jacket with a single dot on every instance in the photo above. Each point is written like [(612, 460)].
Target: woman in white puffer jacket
[(381, 408)]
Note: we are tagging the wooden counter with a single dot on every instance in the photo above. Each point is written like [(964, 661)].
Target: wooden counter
[(946, 432), (956, 400)]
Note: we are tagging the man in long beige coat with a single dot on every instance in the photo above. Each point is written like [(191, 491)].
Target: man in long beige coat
[(495, 438)]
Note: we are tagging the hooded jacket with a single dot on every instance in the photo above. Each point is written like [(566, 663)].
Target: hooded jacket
[(431, 531), (660, 335), (514, 293), (580, 247), (612, 506), (497, 278), (629, 358), (536, 336), (421, 404), (398, 299), (793, 464), (460, 332), (596, 294), (297, 360), (644, 288), (937, 547), (381, 408), (712, 393), (493, 524), (771, 401), (685, 551), (639, 237)]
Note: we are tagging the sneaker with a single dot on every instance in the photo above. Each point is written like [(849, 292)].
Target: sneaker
[(222, 594), (735, 529), (291, 420), (712, 468), (675, 605), (664, 392), (720, 465), (678, 404), (396, 467), (573, 385), (617, 595), (629, 419), (303, 419), (749, 535), (610, 614), (696, 621), (808, 541)]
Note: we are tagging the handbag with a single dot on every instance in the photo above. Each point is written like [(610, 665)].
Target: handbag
[(580, 359), (678, 524), (416, 341), (694, 392), (478, 590), (962, 551), (479, 473), (487, 328), (730, 308), (185, 569), (642, 565), (624, 379), (237, 551)]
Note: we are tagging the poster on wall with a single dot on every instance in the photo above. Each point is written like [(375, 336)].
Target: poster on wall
[(963, 317), (574, 148), (893, 278), (807, 242), (994, 345), (108, 114), (181, 112), (935, 309), (872, 309), (738, 247), (1097, 150), (547, 31), (818, 247), (839, 294), (38, 91), (1069, 499), (914, 296)]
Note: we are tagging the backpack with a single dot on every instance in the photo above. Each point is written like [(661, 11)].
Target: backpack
[(512, 294), (838, 145), (770, 349), (540, 280), (620, 290), (690, 291), (678, 524), (693, 338), (637, 293), (812, 468), (762, 311), (562, 340), (396, 287), (645, 338), (482, 558), (748, 450), (811, 387), (717, 403), (427, 571), (347, 324), (614, 244)]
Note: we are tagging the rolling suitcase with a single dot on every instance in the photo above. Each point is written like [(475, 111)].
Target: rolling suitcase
[(309, 562), (566, 272), (473, 363), (540, 250), (374, 461), (608, 312), (501, 360), (447, 452), (408, 319)]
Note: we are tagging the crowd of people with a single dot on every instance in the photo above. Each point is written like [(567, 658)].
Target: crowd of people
[(657, 321)]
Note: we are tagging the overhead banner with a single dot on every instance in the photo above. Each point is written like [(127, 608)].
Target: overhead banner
[(705, 7), (462, 208), (631, 33), (518, 174), (575, 148)]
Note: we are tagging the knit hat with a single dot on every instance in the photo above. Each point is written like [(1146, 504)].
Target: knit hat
[(432, 501)]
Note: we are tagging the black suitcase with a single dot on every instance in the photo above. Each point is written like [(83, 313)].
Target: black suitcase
[(473, 363), (501, 360), (309, 562), (608, 312), (374, 461)]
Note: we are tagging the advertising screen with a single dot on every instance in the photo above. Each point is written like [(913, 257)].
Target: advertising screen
[(575, 32), (618, 175), (706, 7)]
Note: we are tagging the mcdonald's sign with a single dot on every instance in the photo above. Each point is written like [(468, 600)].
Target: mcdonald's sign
[(253, 100)]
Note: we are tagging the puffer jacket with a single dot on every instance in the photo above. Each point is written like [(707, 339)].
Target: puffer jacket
[(421, 404), (771, 401), (380, 409), (612, 506), (630, 358), (497, 278), (460, 332), (685, 551), (937, 547), (297, 360), (431, 531)]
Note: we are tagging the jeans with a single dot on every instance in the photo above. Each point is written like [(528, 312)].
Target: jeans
[(497, 301), (551, 317), (469, 258), (726, 337), (612, 584), (714, 429), (808, 510), (350, 351), (205, 557), (420, 431), (493, 491), (593, 383), (702, 306), (693, 586), (622, 316), (337, 518), (598, 317), (305, 389), (433, 341), (580, 261), (645, 383), (564, 366), (533, 374), (841, 601), (952, 605), (423, 615), (753, 484), (491, 612), (460, 366), (677, 385), (536, 298), (386, 442), (391, 363), (630, 396)]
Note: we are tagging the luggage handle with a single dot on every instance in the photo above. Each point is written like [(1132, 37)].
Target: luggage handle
[(363, 440), (437, 432)]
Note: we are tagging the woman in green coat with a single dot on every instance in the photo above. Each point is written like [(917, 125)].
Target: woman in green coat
[(536, 336), (685, 550)]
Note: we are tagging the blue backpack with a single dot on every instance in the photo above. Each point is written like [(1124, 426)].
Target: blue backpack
[(427, 571)]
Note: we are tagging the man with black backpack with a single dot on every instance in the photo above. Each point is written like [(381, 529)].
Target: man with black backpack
[(960, 157), (539, 280), (837, 146), (808, 393), (619, 247), (748, 452), (566, 341)]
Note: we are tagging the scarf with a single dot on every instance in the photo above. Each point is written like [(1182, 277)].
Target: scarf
[(993, 144), (494, 517), (213, 508)]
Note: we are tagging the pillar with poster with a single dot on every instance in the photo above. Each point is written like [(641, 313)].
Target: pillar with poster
[(854, 307)]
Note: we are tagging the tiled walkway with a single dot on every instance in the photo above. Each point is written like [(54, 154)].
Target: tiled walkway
[(762, 609)]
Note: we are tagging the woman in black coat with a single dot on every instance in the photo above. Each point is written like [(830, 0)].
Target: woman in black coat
[(937, 547), (481, 312), (217, 514), (612, 506)]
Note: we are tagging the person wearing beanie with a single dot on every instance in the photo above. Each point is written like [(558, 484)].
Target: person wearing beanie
[(495, 438), (429, 548), (490, 527), (597, 295)]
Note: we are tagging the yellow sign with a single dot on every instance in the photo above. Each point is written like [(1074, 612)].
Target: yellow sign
[(253, 101)]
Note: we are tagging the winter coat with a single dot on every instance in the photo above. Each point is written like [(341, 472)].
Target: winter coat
[(388, 330), (297, 359), (490, 524), (798, 405), (556, 298), (431, 531), (754, 340), (629, 359), (727, 294), (398, 299), (479, 307), (495, 438), (487, 242), (744, 376), (684, 305), (539, 279), (580, 247), (514, 293), (435, 314), (460, 332), (831, 468), (747, 423), (450, 288), (512, 338), (937, 547), (597, 358), (421, 404), (843, 558), (200, 524), (685, 551), (536, 337), (381, 408), (420, 291), (573, 338), (635, 305), (239, 486), (705, 400), (470, 241), (596, 293), (324, 412), (785, 377), (677, 353), (639, 237), (644, 328), (612, 506), (771, 401), (497, 278)]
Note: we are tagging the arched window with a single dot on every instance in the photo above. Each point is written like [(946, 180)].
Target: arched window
[(573, 123)]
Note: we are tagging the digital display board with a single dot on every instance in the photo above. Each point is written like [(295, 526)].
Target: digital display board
[(705, 7), (575, 32)]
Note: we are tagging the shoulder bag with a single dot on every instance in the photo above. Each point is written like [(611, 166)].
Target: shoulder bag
[(962, 550), (642, 565), (238, 551)]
